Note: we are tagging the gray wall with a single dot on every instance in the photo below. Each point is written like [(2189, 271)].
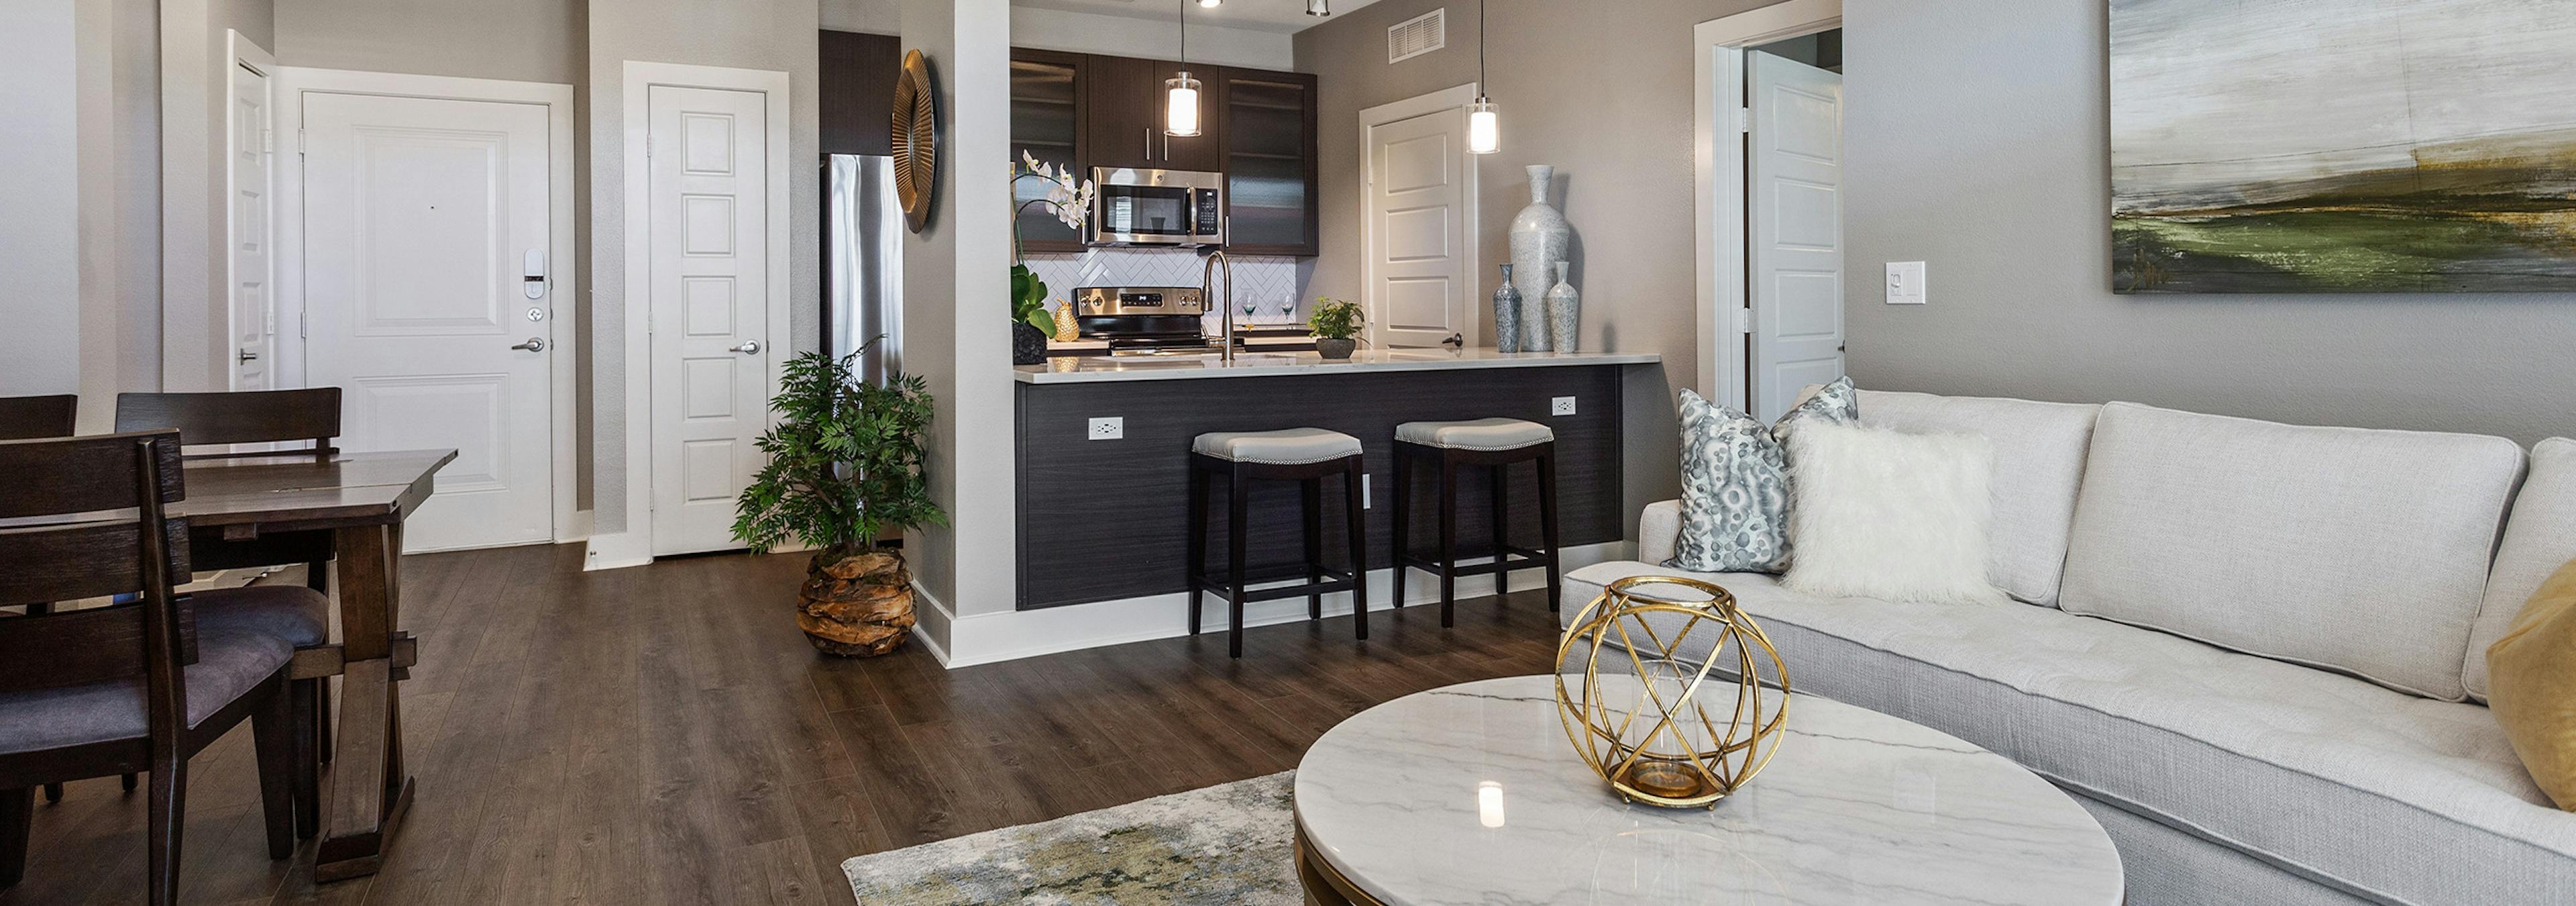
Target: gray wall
[(1977, 135), (1603, 92), (749, 34), (518, 40), (39, 187)]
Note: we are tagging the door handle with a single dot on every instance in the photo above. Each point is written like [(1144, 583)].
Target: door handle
[(534, 344), (247, 356), (1455, 341), (748, 347)]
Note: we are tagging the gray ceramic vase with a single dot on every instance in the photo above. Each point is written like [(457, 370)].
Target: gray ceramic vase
[(1564, 311), (1539, 236), (1507, 315)]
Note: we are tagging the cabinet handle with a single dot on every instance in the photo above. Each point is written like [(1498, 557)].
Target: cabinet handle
[(1167, 146), (1149, 143)]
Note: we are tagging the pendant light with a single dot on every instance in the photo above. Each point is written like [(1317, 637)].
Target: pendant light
[(1319, 7), (1181, 106), (1484, 121)]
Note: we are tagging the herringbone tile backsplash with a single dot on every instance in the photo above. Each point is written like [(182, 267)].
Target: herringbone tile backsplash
[(1275, 286)]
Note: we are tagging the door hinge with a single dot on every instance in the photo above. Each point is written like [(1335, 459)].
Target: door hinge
[(1743, 119), (299, 141), (1744, 320)]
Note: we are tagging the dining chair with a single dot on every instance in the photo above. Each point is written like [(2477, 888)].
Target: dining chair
[(308, 416), (24, 417), (28, 417), (136, 686)]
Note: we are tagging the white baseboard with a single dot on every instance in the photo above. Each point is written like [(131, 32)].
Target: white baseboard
[(617, 551), (994, 637), (932, 621)]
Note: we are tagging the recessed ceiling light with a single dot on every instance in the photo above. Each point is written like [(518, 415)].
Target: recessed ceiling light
[(1211, 4)]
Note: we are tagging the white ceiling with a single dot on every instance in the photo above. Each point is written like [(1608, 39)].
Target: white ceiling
[(1258, 15)]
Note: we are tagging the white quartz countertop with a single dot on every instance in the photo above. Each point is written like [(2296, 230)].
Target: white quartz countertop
[(1086, 369)]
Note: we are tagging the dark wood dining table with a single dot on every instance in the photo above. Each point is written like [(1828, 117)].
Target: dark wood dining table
[(291, 508)]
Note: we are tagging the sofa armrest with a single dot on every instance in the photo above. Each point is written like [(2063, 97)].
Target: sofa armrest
[(1658, 528)]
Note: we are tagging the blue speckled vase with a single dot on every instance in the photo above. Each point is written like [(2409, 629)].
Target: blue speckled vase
[(1507, 315)]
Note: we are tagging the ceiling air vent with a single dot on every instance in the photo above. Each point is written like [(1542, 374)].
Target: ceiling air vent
[(1417, 36)]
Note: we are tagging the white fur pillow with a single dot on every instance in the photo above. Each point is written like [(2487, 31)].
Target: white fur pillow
[(1877, 513)]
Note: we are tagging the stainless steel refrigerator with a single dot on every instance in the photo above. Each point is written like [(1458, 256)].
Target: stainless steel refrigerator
[(863, 262)]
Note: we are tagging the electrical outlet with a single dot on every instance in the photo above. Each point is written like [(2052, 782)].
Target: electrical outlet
[(1563, 405), (1905, 283), (1112, 428)]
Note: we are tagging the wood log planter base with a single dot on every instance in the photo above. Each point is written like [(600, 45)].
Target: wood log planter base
[(859, 605)]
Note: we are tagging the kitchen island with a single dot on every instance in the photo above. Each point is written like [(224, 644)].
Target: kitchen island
[(1106, 519)]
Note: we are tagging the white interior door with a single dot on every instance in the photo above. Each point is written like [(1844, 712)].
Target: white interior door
[(1417, 231), (419, 214), (708, 156), (1795, 246), (248, 145)]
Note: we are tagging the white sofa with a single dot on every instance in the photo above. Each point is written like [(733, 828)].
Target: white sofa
[(2255, 651)]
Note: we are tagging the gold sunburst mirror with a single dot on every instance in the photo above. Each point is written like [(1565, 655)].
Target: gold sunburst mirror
[(916, 141)]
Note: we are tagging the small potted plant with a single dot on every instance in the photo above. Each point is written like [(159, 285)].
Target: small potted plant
[(1071, 200), (845, 463), (1337, 327)]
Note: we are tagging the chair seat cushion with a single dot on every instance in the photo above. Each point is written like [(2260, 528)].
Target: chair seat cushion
[(1288, 447), (2384, 795), (1487, 434), (299, 615), (229, 664)]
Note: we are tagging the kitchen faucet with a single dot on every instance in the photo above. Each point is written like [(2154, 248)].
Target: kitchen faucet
[(1207, 284)]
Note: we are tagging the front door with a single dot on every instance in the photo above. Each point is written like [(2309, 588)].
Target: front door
[(419, 216), (1796, 238), (708, 155), (1417, 220)]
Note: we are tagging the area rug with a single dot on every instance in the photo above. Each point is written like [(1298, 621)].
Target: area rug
[(1222, 844)]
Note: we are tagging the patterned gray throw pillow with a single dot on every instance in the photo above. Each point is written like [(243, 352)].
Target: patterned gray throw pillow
[(1735, 481)]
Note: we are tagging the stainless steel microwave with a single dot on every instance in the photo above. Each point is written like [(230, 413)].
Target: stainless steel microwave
[(1157, 207)]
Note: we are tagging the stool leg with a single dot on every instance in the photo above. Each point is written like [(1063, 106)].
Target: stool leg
[(1313, 506), (1236, 512), (1502, 513), (1547, 522), (1448, 542), (1198, 540), (1355, 512), (1403, 504)]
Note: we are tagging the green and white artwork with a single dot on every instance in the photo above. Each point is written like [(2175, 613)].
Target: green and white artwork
[(2343, 146)]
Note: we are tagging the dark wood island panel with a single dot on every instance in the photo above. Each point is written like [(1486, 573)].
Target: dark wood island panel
[(1107, 520)]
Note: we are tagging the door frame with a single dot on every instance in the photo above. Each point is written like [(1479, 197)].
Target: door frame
[(1719, 122), (242, 53), (289, 85), (1455, 98), (633, 545)]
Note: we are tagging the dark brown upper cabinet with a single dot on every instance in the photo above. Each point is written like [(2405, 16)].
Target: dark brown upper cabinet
[(1265, 125), (856, 104), (1047, 116), (1256, 126)]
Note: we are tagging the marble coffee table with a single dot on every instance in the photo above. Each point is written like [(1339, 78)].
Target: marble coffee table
[(1471, 794)]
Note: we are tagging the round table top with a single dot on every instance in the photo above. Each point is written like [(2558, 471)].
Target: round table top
[(1857, 807)]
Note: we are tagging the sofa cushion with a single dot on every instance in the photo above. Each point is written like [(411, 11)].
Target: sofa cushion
[(2388, 796), (2540, 536), (2357, 550), (2039, 460)]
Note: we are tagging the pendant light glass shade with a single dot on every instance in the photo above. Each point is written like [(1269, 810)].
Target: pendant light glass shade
[(1181, 108), (1484, 127)]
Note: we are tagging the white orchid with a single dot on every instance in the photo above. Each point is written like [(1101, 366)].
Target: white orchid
[(1070, 199)]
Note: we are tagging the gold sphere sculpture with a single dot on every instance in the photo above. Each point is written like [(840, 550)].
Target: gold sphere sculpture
[(1658, 726)]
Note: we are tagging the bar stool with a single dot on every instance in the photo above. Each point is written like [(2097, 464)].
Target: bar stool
[(1495, 443), (1303, 455)]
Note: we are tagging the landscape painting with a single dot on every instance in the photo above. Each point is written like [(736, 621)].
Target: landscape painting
[(2343, 146)]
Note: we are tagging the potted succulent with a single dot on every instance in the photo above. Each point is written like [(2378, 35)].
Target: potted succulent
[(1071, 201), (845, 463), (1337, 327)]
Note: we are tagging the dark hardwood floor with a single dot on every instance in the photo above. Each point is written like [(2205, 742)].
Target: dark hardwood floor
[(665, 735)]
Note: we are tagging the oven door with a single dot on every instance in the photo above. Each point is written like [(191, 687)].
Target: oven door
[(1145, 215)]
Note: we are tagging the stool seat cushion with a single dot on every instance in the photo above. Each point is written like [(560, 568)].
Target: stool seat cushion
[(1292, 446), (1486, 434)]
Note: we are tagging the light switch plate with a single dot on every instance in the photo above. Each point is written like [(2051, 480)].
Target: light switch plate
[(1563, 405), (1905, 283), (1112, 428)]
